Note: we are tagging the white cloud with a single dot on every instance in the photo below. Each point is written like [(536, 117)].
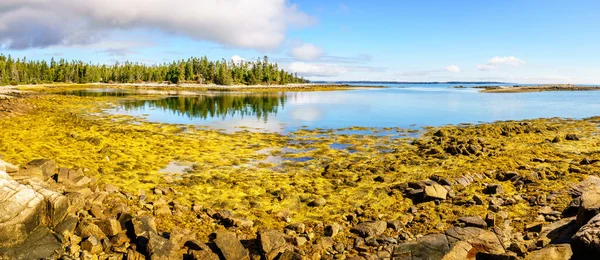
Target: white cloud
[(306, 51), (316, 70), (260, 24), (453, 69), (237, 59), (498, 62)]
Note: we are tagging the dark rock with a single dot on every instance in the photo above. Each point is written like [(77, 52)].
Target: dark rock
[(332, 230), (494, 189), (572, 209), (571, 137), (534, 227), (40, 244)]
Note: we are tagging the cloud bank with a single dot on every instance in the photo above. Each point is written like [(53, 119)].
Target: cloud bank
[(260, 24), (306, 51), (498, 62)]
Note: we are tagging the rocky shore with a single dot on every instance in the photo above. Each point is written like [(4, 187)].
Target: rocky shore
[(60, 213), (537, 88)]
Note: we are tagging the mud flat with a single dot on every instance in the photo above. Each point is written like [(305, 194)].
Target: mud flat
[(537, 88), (505, 190)]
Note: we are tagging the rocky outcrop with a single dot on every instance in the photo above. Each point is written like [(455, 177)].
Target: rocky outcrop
[(26, 207)]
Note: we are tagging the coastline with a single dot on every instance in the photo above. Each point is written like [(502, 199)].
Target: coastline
[(536, 88)]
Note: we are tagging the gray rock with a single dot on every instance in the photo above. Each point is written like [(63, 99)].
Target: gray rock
[(494, 189), (229, 246), (367, 229), (159, 247)]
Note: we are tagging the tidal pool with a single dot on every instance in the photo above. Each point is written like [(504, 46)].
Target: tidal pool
[(409, 106)]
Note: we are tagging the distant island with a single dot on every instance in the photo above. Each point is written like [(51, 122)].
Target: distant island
[(412, 82)]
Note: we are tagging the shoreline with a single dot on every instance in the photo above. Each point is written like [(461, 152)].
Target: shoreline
[(192, 87), (536, 88)]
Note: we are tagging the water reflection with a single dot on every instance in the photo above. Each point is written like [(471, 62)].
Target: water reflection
[(216, 105), (98, 93)]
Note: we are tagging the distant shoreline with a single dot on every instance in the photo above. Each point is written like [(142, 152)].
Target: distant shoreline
[(536, 88)]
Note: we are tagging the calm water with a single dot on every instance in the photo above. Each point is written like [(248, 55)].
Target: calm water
[(406, 106)]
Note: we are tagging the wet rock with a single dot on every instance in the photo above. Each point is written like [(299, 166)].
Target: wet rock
[(367, 229), (229, 246), (272, 243), (475, 221), (435, 192)]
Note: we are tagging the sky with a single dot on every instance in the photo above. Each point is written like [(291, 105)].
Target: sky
[(521, 41)]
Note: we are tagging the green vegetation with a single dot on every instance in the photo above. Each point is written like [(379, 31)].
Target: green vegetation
[(197, 70)]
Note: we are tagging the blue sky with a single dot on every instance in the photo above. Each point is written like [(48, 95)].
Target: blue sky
[(517, 41)]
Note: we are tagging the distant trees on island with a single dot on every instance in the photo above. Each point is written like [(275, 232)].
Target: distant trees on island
[(194, 69)]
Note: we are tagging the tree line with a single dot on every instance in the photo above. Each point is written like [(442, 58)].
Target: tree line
[(194, 69)]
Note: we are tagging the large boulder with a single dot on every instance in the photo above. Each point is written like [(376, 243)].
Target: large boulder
[(587, 240), (26, 207), (589, 206)]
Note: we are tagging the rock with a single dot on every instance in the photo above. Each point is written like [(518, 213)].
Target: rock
[(571, 137), (68, 225), (494, 189), (589, 207), (475, 221), (143, 226), (119, 239), (272, 243), (299, 241), (229, 246), (552, 252), (41, 244), (332, 230), (324, 243), (426, 247), (435, 192), (518, 248), (319, 202), (92, 245), (534, 227), (87, 229), (30, 171), (481, 239), (478, 200), (298, 227), (81, 181), (47, 166), (395, 224), (587, 240), (367, 229), (7, 167), (134, 255), (25, 207), (68, 176), (159, 247), (109, 227)]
